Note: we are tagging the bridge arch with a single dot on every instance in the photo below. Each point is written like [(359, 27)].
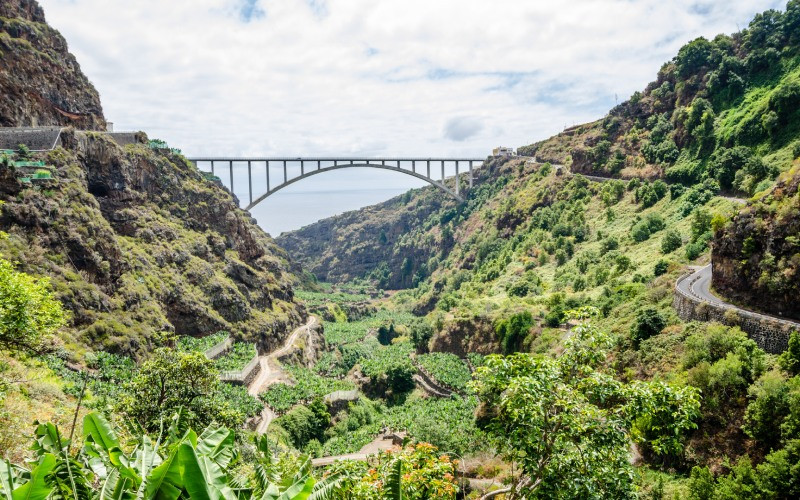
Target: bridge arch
[(420, 168)]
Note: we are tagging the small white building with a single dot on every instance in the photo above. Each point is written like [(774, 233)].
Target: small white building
[(501, 151)]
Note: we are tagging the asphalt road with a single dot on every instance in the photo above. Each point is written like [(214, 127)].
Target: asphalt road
[(698, 285)]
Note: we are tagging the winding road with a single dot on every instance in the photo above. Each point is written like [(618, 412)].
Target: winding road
[(271, 372), (698, 286)]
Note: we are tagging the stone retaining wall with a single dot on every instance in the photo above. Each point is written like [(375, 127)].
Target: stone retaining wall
[(340, 400), (220, 348), (244, 377), (771, 334)]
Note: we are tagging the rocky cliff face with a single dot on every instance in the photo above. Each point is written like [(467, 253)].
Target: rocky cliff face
[(40, 81), (757, 256), (137, 242)]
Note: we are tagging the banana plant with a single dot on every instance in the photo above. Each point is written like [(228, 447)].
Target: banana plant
[(177, 466)]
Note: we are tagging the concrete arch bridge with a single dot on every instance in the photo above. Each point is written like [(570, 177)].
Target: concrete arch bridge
[(281, 172)]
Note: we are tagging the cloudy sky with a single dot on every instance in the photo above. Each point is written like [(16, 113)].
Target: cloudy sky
[(373, 78)]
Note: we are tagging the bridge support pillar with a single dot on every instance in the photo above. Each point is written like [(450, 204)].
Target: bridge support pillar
[(470, 175), (284, 171), (458, 181), (250, 180), (230, 171), (267, 168)]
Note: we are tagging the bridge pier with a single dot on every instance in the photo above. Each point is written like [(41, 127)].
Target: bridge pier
[(250, 180), (458, 181)]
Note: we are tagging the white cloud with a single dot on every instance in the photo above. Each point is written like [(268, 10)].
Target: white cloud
[(461, 128), (313, 77)]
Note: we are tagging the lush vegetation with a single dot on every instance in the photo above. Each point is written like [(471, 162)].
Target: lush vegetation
[(447, 369), (308, 386), (183, 464), (569, 424), (200, 344), (237, 357)]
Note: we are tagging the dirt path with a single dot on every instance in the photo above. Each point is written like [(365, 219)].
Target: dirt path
[(382, 442), (271, 373)]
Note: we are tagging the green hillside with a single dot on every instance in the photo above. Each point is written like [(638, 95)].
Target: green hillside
[(523, 343)]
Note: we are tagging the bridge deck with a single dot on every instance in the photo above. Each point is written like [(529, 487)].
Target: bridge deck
[(415, 166)]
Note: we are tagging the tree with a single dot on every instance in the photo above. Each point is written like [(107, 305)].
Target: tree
[(671, 241), (171, 381), (29, 314), (790, 358), (701, 223), (512, 331), (648, 322), (569, 423)]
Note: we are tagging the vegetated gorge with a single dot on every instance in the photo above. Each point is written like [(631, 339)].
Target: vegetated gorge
[(156, 343)]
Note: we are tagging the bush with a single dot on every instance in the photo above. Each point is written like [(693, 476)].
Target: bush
[(649, 321), (304, 424), (767, 409), (642, 230), (790, 358), (671, 241), (701, 224), (608, 244), (512, 331), (660, 267)]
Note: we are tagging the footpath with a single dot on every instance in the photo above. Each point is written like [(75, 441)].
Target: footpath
[(271, 372)]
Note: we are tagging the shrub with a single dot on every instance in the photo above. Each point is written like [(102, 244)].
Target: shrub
[(660, 267), (511, 331), (767, 409), (790, 358), (671, 241), (642, 230), (701, 224), (29, 313), (608, 244), (649, 321)]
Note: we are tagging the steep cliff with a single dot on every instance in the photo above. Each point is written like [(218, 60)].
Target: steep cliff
[(757, 256), (136, 241), (40, 81)]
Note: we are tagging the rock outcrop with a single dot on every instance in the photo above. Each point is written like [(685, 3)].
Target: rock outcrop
[(137, 242), (757, 256), (40, 81)]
